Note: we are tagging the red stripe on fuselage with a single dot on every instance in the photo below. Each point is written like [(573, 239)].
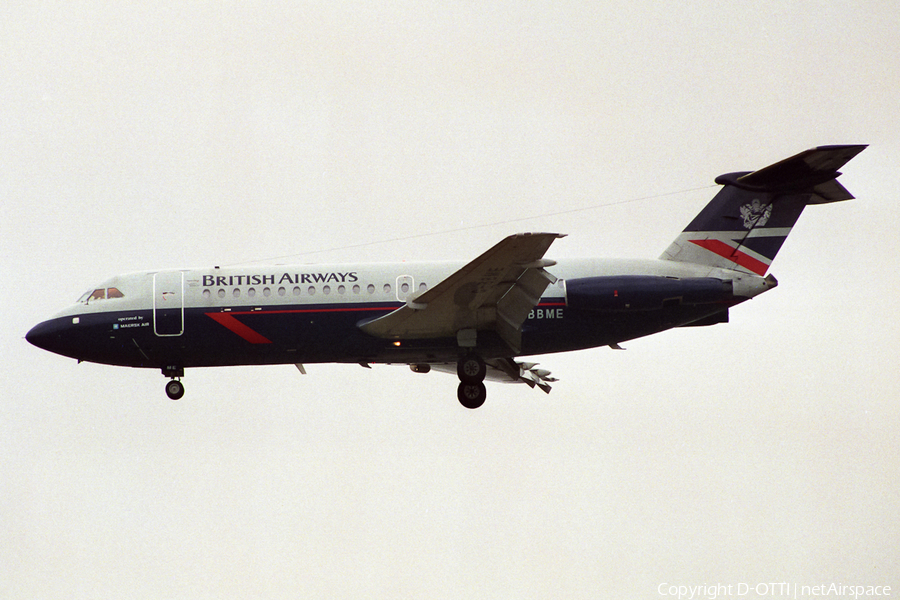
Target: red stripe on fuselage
[(733, 254), (232, 324), (306, 310), (228, 320)]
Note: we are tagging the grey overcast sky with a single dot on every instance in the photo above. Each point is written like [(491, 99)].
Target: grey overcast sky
[(140, 136)]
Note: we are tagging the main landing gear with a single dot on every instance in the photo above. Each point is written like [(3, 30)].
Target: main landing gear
[(471, 370), (174, 389)]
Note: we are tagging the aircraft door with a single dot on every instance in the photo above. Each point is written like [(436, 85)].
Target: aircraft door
[(405, 287), (168, 303)]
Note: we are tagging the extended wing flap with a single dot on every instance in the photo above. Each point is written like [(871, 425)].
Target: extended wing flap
[(514, 306), (507, 370), (475, 296)]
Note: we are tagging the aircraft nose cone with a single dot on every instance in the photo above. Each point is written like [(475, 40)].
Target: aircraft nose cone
[(55, 335), (43, 335)]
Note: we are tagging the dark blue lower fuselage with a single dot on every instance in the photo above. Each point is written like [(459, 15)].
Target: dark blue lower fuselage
[(310, 333)]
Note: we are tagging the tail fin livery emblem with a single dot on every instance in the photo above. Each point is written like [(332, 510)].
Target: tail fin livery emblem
[(756, 213)]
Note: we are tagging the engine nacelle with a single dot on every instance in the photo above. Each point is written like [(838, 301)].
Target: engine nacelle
[(643, 292)]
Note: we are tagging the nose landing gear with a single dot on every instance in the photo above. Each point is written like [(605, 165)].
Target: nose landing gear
[(174, 389)]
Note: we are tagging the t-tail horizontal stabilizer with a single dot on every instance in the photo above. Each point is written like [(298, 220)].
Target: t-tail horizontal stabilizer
[(746, 223)]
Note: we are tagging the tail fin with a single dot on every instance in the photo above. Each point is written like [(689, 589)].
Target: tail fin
[(745, 224)]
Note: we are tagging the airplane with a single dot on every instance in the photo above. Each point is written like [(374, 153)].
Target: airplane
[(475, 320)]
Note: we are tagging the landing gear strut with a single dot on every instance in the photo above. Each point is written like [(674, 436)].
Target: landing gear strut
[(471, 370)]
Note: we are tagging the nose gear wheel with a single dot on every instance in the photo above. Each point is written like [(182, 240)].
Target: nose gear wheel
[(174, 389)]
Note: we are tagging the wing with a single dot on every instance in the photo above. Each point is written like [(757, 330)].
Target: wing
[(496, 291), (507, 370)]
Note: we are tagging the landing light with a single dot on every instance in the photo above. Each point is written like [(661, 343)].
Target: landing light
[(397, 343)]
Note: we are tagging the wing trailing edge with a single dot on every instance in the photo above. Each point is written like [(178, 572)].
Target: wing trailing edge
[(496, 291), (504, 370)]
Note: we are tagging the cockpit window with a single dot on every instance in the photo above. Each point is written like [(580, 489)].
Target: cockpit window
[(101, 294)]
